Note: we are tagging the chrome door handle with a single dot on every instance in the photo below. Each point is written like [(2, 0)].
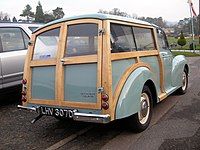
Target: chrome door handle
[(62, 60)]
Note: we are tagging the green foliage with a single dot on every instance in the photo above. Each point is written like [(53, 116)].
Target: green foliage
[(58, 13), (27, 12), (187, 54), (185, 26), (181, 41), (48, 17), (173, 43), (39, 14)]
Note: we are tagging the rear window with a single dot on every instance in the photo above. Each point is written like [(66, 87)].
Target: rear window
[(82, 39), (46, 44), (144, 38), (122, 38)]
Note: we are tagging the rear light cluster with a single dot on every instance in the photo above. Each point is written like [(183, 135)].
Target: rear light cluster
[(24, 90), (105, 104)]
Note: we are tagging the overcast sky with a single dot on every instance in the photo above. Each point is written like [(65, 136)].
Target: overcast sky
[(170, 10)]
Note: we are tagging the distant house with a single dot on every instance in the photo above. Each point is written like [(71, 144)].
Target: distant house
[(169, 31)]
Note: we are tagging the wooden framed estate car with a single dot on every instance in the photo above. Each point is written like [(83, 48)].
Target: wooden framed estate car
[(99, 68)]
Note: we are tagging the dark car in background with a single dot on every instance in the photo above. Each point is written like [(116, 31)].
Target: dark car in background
[(14, 38)]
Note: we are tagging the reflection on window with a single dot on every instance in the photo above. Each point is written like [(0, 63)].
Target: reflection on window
[(46, 45), (122, 39), (26, 39), (11, 39), (82, 39), (32, 28), (144, 38)]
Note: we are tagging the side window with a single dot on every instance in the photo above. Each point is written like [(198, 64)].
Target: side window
[(82, 39), (26, 39), (144, 38), (121, 38), (12, 39), (162, 40), (46, 44)]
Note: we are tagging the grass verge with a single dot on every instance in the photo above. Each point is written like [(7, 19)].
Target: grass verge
[(186, 54)]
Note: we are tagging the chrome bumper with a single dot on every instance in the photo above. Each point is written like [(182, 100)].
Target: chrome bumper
[(96, 118), (27, 108), (91, 117)]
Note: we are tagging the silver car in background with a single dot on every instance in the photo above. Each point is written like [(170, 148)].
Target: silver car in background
[(14, 38)]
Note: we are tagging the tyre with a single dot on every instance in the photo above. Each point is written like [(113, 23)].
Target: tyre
[(141, 120), (183, 89)]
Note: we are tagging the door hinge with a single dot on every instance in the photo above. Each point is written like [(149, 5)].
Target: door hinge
[(102, 32), (100, 89)]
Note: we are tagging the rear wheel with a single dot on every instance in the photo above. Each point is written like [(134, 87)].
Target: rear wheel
[(183, 89), (140, 121)]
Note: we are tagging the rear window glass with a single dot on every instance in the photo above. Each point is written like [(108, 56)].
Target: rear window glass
[(46, 44), (122, 38), (144, 38), (82, 39)]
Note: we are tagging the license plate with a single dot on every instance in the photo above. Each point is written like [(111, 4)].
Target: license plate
[(59, 112)]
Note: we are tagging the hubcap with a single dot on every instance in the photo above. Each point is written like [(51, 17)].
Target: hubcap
[(143, 114), (184, 81)]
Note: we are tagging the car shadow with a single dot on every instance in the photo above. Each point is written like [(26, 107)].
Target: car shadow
[(10, 96)]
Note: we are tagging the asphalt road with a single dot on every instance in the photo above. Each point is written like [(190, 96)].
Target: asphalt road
[(175, 125)]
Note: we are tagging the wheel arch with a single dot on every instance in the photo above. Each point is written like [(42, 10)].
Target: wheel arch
[(152, 88), (186, 68), (129, 99)]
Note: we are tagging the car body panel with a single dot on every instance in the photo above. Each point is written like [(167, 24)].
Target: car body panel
[(129, 100), (43, 83), (118, 69), (178, 66)]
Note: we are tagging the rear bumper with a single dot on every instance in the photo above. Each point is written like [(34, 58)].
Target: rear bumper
[(96, 118)]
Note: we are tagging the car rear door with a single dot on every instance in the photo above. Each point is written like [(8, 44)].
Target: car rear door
[(65, 68), (14, 48)]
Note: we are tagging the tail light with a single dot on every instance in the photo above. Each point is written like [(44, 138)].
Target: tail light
[(104, 97), (105, 105), (24, 81), (23, 93), (24, 90), (24, 98)]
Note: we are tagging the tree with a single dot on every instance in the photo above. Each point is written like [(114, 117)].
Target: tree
[(114, 11), (6, 19), (4, 16), (14, 19), (157, 21), (58, 13), (48, 17), (181, 41), (27, 12), (39, 14)]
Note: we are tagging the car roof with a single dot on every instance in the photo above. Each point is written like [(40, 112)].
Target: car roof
[(24, 26), (96, 16)]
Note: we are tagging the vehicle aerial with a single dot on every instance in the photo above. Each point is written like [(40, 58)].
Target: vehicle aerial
[(14, 38), (99, 68)]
